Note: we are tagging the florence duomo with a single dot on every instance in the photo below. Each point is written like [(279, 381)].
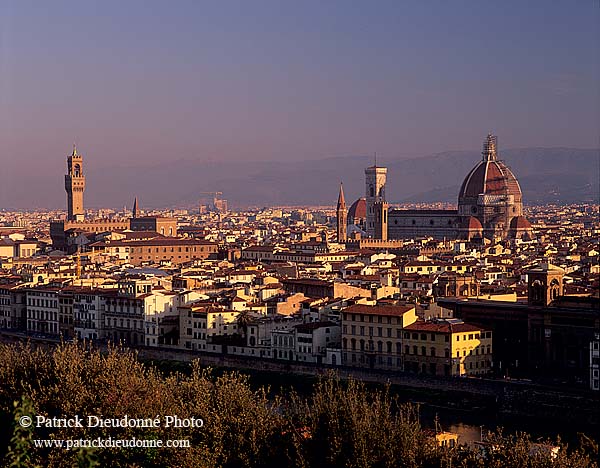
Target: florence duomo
[(237, 281), (490, 206)]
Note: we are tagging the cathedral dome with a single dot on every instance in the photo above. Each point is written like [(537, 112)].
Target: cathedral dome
[(489, 182), (520, 222), (490, 177), (471, 224), (358, 210)]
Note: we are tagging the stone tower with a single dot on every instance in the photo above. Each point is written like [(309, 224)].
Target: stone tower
[(544, 284), (342, 217), (381, 220), (75, 186), (375, 178)]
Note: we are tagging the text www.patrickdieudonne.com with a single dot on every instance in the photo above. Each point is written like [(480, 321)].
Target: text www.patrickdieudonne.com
[(109, 442), (76, 421)]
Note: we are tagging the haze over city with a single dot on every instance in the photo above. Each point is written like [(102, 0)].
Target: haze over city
[(139, 84), (281, 234)]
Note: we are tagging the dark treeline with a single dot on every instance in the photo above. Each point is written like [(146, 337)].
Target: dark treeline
[(340, 424)]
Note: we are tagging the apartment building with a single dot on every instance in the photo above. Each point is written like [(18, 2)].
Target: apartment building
[(447, 347), (160, 249), (42, 310), (200, 323), (372, 335)]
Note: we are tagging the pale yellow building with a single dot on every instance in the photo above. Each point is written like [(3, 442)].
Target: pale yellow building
[(447, 347), (372, 335), (199, 322)]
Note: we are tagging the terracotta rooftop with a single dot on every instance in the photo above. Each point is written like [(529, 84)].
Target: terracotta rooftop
[(378, 310)]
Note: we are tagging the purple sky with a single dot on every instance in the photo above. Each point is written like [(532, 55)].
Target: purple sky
[(140, 82)]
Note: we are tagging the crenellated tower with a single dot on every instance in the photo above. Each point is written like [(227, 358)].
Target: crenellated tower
[(75, 186)]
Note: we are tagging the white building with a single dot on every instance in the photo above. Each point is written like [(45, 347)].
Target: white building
[(42, 310), (313, 339), (88, 308)]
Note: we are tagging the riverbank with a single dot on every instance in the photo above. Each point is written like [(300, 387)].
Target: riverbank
[(541, 410)]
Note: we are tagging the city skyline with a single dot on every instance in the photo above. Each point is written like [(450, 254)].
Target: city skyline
[(309, 233), (138, 86)]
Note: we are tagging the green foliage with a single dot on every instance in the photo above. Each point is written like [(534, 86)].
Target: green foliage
[(19, 452), (341, 424)]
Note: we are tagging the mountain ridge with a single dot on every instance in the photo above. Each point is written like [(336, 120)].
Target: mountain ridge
[(547, 175)]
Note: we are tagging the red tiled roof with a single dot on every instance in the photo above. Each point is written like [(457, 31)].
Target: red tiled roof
[(378, 310), (490, 178), (358, 209), (442, 327)]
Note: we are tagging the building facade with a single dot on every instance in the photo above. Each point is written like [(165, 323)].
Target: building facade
[(447, 347), (372, 335)]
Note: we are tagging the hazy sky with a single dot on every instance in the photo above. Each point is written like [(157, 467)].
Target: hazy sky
[(142, 81)]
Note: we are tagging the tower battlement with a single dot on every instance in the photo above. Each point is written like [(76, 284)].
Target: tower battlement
[(75, 186)]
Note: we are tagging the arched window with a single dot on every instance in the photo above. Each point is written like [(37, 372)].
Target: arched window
[(554, 289)]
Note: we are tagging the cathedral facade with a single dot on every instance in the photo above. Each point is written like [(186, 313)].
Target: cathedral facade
[(490, 205)]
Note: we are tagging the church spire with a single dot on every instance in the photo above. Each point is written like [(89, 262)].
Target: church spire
[(341, 200), (74, 150), (342, 217), (135, 208)]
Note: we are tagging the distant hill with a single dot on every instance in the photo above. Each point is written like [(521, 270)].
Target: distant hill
[(546, 175)]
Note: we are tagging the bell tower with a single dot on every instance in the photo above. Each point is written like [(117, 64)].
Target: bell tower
[(75, 186), (544, 284), (342, 217), (375, 178)]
